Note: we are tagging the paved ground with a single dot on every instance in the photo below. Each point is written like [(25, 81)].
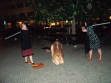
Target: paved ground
[(76, 68)]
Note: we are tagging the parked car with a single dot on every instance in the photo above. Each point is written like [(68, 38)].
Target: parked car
[(47, 27), (57, 31)]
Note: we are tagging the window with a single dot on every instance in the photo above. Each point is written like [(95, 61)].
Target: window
[(6, 17), (14, 16), (11, 7), (19, 5), (5, 8), (21, 15), (27, 4), (30, 13)]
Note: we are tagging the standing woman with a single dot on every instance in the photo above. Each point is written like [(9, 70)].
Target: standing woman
[(26, 45), (93, 42)]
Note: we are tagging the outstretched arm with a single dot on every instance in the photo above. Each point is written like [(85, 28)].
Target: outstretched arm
[(62, 51), (51, 49)]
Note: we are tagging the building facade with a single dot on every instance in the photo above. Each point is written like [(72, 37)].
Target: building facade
[(14, 11)]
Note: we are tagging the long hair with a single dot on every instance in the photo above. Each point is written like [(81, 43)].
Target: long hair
[(88, 23), (57, 48)]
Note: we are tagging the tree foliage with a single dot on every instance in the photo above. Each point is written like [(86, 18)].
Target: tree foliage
[(57, 10)]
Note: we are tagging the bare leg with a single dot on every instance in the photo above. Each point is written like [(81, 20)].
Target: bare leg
[(26, 59), (55, 61), (100, 54), (31, 59), (90, 54)]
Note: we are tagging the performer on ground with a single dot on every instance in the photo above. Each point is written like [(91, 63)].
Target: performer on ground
[(57, 53), (26, 45), (92, 41)]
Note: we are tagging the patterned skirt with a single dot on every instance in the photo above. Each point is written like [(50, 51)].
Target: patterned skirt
[(94, 43), (27, 52)]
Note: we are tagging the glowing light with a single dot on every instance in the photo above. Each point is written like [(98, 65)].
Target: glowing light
[(71, 21), (57, 23), (44, 27), (96, 19), (110, 17), (4, 22), (9, 24), (66, 21), (52, 23), (20, 23), (31, 21), (26, 22)]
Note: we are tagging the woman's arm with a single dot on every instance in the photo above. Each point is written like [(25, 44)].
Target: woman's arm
[(84, 30), (52, 50)]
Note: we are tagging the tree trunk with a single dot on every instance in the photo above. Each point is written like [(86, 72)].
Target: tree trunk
[(73, 29)]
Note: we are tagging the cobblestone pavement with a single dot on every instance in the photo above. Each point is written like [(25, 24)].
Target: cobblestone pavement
[(76, 68)]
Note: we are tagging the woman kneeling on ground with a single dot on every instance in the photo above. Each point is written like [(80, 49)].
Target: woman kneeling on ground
[(57, 53)]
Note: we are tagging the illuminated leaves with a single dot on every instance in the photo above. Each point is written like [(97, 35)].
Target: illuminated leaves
[(56, 10)]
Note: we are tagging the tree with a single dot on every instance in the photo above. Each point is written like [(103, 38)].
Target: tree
[(57, 10)]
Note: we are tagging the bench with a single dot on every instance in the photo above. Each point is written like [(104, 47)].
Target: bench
[(66, 37)]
